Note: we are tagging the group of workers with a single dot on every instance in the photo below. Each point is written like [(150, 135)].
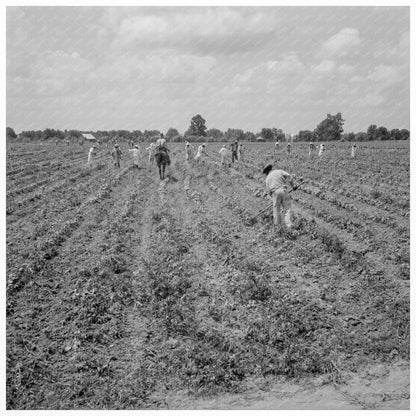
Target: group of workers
[(278, 182)]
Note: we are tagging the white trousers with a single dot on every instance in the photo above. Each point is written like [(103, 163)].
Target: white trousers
[(282, 206)]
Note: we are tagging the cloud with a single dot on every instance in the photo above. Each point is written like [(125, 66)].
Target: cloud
[(155, 69), (384, 76), (53, 72), (345, 69), (324, 67), (223, 30), (347, 40), (270, 76)]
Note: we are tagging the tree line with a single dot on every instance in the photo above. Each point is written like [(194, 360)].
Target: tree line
[(329, 129)]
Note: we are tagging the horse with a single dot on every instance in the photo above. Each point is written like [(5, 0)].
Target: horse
[(162, 159)]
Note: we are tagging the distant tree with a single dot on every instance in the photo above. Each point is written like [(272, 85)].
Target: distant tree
[(361, 137), (137, 134), (395, 134), (306, 136), (267, 134), (73, 133), (10, 133), (150, 134), (197, 127), (330, 128), (52, 133), (382, 133), (405, 134), (278, 134), (234, 134), (171, 133), (215, 133), (348, 137), (371, 132), (249, 136)]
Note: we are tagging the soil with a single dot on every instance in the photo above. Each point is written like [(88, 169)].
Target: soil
[(125, 291)]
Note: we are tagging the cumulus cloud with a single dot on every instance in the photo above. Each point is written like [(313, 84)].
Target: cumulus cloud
[(54, 72), (324, 67), (270, 76), (156, 68), (347, 40), (384, 76), (100, 65), (199, 29), (345, 69)]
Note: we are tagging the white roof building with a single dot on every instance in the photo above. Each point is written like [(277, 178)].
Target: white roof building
[(88, 136)]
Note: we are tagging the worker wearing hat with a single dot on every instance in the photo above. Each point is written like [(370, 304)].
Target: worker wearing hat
[(234, 150), (200, 153), (225, 156), (188, 150), (321, 149), (116, 154), (136, 155), (277, 183)]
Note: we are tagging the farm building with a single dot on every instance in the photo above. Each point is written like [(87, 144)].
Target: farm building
[(88, 136), (260, 139)]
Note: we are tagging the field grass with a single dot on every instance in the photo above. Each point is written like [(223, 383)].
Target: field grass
[(123, 290)]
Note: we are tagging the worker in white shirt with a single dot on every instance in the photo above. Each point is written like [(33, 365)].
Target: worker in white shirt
[(136, 155), (188, 150), (277, 184), (151, 149), (225, 155), (321, 149), (91, 154), (311, 148), (353, 150), (241, 151), (200, 153)]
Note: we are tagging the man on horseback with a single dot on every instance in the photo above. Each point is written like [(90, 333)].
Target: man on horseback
[(161, 143), (162, 156)]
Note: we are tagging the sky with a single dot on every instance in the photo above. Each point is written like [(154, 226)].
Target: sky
[(137, 68)]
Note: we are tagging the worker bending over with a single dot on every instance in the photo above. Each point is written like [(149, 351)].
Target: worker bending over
[(277, 184)]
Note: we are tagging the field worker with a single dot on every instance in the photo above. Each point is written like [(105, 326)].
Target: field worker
[(321, 149), (151, 149), (353, 150), (67, 142), (276, 146), (188, 150), (225, 155), (241, 151), (234, 150), (116, 154), (289, 148), (311, 148), (91, 155), (200, 153), (277, 182), (136, 155)]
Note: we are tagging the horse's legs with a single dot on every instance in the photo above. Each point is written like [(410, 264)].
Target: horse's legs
[(163, 170)]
